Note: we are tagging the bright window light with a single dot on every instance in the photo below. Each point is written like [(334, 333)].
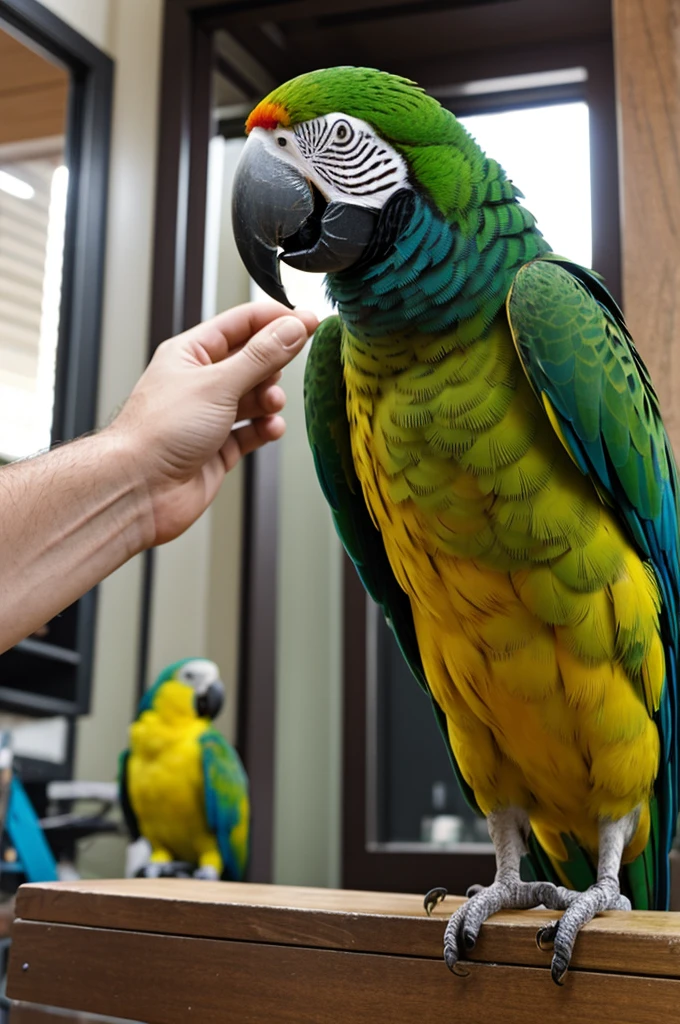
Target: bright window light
[(26, 406), (51, 305), (546, 152), (15, 186)]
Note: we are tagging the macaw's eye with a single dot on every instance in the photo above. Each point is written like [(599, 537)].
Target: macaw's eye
[(281, 141), (342, 132)]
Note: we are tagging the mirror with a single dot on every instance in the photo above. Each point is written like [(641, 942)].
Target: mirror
[(55, 126), (34, 95)]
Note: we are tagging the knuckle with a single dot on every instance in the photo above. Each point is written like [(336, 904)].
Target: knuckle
[(259, 352)]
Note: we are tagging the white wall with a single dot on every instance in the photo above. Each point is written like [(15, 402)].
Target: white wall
[(130, 31)]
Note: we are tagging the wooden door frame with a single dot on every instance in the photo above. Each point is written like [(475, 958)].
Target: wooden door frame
[(176, 304)]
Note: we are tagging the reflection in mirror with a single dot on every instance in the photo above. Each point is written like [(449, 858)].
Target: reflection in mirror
[(33, 186)]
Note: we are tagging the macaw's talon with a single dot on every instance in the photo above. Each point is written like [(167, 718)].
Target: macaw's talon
[(604, 895), (455, 966), (545, 937), (558, 970), (509, 893), (473, 890), (433, 897)]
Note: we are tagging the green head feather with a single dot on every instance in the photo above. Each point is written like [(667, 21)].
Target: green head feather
[(444, 159), (168, 673)]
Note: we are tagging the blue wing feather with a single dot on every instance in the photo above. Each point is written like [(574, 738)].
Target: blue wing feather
[(620, 442), (226, 801)]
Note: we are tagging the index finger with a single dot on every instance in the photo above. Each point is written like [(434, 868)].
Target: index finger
[(231, 329)]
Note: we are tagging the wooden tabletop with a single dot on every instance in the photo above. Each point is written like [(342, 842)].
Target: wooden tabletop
[(152, 949), (643, 942)]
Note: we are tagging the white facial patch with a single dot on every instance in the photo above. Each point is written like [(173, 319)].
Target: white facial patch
[(343, 157), (199, 673)]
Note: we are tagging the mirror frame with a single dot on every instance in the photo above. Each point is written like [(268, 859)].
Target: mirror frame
[(87, 139)]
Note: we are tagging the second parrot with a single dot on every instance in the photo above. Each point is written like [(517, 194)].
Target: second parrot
[(182, 786)]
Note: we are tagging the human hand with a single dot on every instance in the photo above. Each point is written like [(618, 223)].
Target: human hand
[(177, 425)]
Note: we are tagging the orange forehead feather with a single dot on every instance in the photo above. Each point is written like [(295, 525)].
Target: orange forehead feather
[(268, 115)]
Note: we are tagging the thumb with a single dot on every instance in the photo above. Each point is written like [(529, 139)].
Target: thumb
[(269, 350)]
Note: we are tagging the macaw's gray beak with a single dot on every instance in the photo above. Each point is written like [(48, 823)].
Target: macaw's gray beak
[(275, 208), (209, 700)]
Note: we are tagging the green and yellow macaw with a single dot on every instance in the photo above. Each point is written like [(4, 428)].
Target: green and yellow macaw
[(182, 786), (492, 450)]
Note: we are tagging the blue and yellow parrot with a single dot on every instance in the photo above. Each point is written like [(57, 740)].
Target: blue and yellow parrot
[(182, 786), (492, 450)]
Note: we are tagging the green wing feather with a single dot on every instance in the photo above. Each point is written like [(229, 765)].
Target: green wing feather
[(124, 797), (329, 439), (581, 362), (226, 801)]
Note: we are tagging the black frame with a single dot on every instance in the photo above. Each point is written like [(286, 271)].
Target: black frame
[(87, 153), (176, 304)]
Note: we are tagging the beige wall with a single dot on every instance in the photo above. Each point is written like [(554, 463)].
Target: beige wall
[(130, 31)]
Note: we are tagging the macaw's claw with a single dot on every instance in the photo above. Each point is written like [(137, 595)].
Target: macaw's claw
[(433, 897), (582, 908), (508, 894), (545, 936)]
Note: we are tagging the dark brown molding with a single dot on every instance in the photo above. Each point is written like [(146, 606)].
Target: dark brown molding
[(257, 657), (376, 866), (185, 128)]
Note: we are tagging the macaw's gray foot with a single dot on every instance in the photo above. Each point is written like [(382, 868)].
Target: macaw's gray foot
[(165, 869), (561, 935), (208, 873), (605, 894), (508, 892)]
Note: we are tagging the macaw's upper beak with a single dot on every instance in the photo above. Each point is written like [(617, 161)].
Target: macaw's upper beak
[(208, 701), (275, 207)]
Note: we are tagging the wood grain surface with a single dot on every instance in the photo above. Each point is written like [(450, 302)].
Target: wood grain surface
[(172, 980), (33, 93), (647, 59), (386, 923)]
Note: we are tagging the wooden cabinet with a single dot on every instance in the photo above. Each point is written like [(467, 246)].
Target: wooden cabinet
[(173, 951)]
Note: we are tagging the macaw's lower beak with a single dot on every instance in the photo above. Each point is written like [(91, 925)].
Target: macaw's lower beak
[(275, 208), (208, 701)]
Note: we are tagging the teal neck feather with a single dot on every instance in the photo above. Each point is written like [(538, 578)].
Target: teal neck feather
[(440, 273)]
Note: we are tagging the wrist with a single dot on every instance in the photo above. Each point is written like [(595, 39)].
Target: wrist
[(124, 468)]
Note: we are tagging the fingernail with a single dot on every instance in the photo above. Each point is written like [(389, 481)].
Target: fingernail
[(289, 331)]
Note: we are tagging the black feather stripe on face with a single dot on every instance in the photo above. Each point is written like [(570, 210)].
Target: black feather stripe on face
[(348, 158), (395, 215)]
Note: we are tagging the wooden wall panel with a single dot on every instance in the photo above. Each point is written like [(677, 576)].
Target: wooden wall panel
[(647, 55), (33, 93)]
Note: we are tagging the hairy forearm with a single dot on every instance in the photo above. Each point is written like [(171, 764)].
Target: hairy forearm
[(67, 519)]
